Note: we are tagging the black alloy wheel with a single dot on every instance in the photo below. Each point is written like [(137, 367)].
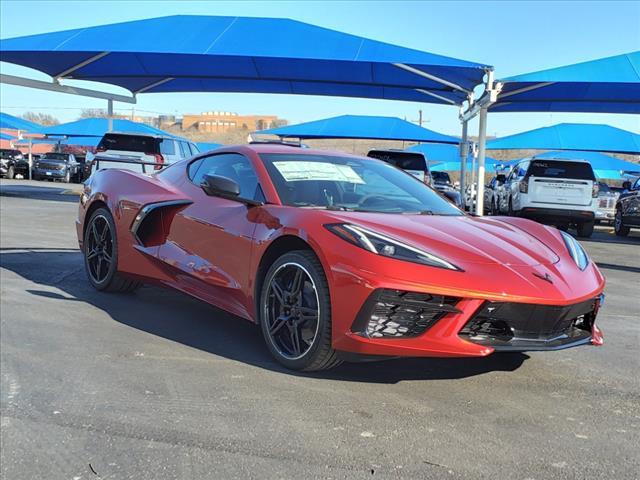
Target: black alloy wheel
[(99, 249), (101, 254), (295, 313), (619, 227)]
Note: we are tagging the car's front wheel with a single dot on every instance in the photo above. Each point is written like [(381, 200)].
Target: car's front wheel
[(619, 227), (585, 229), (101, 254), (295, 313)]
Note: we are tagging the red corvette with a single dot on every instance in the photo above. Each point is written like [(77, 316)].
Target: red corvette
[(335, 255)]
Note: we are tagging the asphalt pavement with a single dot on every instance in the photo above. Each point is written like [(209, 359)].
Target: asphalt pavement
[(156, 385)]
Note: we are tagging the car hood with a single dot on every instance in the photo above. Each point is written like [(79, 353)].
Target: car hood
[(459, 239)]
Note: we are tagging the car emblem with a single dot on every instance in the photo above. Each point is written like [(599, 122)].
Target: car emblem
[(546, 277)]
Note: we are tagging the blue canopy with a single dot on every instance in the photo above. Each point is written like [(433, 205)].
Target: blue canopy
[(608, 85), (242, 54), (6, 136), (362, 126), (14, 123), (446, 157), (206, 146), (97, 127), (571, 136)]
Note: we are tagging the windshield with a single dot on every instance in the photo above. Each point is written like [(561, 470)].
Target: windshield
[(351, 183), (55, 156), (441, 177), (557, 169)]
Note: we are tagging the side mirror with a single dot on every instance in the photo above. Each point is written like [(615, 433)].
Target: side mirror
[(217, 186)]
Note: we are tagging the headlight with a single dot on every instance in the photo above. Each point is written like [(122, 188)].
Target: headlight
[(576, 251), (387, 247)]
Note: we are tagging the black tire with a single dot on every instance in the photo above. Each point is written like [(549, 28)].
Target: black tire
[(35, 177), (101, 255), (11, 173), (618, 227), (510, 211), (313, 353), (585, 229)]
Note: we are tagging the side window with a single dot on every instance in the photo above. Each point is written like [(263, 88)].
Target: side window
[(194, 149), (193, 168), (231, 165), (184, 150), (167, 147), (636, 186), (522, 169), (512, 173)]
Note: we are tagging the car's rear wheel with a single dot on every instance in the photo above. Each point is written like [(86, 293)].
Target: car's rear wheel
[(619, 227), (101, 254), (585, 229), (295, 313)]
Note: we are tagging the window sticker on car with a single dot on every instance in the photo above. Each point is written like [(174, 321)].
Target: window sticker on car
[(303, 171)]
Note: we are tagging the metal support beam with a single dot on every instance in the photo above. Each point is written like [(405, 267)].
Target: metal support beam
[(435, 95), (482, 140), (154, 84), (525, 89), (464, 153), (56, 87), (433, 78), (66, 72), (110, 115)]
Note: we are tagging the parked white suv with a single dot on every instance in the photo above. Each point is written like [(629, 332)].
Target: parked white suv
[(557, 191), (127, 148)]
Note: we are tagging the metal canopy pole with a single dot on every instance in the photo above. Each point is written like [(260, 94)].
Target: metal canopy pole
[(464, 153), (110, 115), (481, 107), (482, 140), (30, 157)]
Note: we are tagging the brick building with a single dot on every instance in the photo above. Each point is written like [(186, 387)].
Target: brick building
[(225, 121)]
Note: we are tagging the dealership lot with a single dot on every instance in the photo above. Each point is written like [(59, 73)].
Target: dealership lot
[(158, 385)]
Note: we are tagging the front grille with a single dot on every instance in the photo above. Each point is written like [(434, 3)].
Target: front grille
[(51, 166), (397, 313), (520, 325)]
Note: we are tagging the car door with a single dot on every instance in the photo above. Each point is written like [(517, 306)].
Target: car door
[(210, 242)]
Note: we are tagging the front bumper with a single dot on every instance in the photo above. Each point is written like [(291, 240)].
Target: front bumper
[(605, 215), (522, 327), (464, 294), (50, 173)]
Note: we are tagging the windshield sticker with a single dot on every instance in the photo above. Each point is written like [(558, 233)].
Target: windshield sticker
[(303, 171)]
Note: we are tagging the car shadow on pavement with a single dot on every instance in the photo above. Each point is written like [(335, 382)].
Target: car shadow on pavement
[(63, 193), (179, 318)]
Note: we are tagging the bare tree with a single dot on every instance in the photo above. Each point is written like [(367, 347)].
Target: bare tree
[(41, 118), (93, 113)]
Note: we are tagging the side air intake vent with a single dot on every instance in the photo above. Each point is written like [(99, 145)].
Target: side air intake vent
[(400, 314)]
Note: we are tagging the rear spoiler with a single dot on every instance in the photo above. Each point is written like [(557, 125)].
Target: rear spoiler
[(129, 160)]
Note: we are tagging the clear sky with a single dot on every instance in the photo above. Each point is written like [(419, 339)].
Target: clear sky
[(515, 37)]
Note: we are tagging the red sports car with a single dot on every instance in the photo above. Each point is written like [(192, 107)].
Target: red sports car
[(335, 255)]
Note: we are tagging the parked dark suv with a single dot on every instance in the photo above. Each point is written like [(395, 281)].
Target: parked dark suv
[(627, 214), (13, 163), (58, 166)]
